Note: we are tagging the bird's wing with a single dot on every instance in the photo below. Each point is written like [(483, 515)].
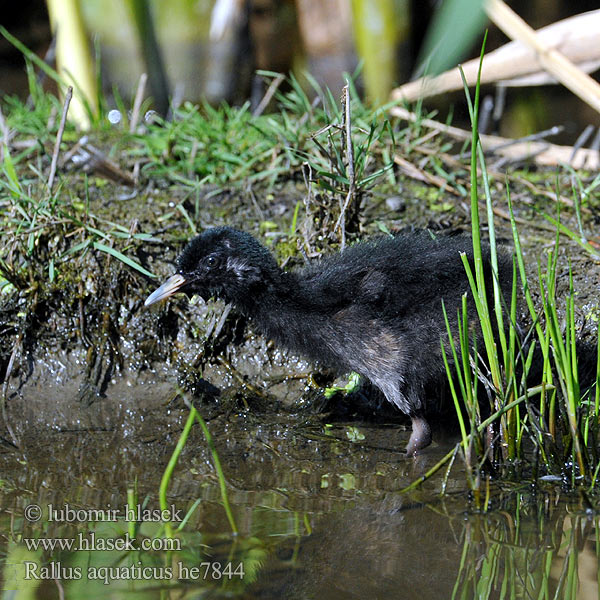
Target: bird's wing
[(340, 286)]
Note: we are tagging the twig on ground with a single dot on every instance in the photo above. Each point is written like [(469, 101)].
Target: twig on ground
[(262, 105), (9, 368), (341, 222), (59, 135), (137, 103)]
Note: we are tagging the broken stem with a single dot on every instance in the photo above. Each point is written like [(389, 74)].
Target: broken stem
[(59, 135)]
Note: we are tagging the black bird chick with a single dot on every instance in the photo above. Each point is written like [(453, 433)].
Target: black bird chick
[(375, 308)]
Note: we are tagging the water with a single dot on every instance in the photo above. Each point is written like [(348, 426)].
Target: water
[(319, 508)]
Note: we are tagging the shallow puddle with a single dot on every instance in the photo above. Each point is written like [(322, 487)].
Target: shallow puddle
[(318, 507)]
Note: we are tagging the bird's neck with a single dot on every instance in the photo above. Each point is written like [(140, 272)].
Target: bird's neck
[(266, 298), (277, 312)]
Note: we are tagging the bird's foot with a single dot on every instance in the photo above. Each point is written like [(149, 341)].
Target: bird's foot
[(420, 437)]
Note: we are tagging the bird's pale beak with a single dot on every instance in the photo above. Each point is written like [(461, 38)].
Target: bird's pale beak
[(168, 288)]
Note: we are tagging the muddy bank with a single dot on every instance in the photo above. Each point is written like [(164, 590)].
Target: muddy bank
[(83, 351)]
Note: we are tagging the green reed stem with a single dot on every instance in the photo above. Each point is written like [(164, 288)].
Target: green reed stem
[(166, 478), (194, 415), (218, 469)]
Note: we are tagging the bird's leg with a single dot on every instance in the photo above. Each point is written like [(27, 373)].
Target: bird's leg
[(421, 435)]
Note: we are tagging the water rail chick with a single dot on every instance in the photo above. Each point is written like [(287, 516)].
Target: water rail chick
[(375, 308)]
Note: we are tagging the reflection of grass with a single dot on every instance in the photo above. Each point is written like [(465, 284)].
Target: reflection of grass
[(204, 564), (195, 416), (528, 557)]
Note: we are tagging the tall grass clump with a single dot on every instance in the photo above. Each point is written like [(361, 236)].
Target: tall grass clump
[(541, 418)]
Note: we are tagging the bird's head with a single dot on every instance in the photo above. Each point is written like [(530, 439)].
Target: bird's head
[(223, 263)]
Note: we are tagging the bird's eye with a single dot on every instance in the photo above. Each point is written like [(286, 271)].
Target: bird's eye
[(212, 261)]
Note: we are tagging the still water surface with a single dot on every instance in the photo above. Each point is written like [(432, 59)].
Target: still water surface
[(318, 507)]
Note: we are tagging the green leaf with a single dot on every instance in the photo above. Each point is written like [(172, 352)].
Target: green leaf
[(455, 26), (124, 259)]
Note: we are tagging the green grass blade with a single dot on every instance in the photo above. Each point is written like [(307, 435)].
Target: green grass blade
[(124, 259)]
